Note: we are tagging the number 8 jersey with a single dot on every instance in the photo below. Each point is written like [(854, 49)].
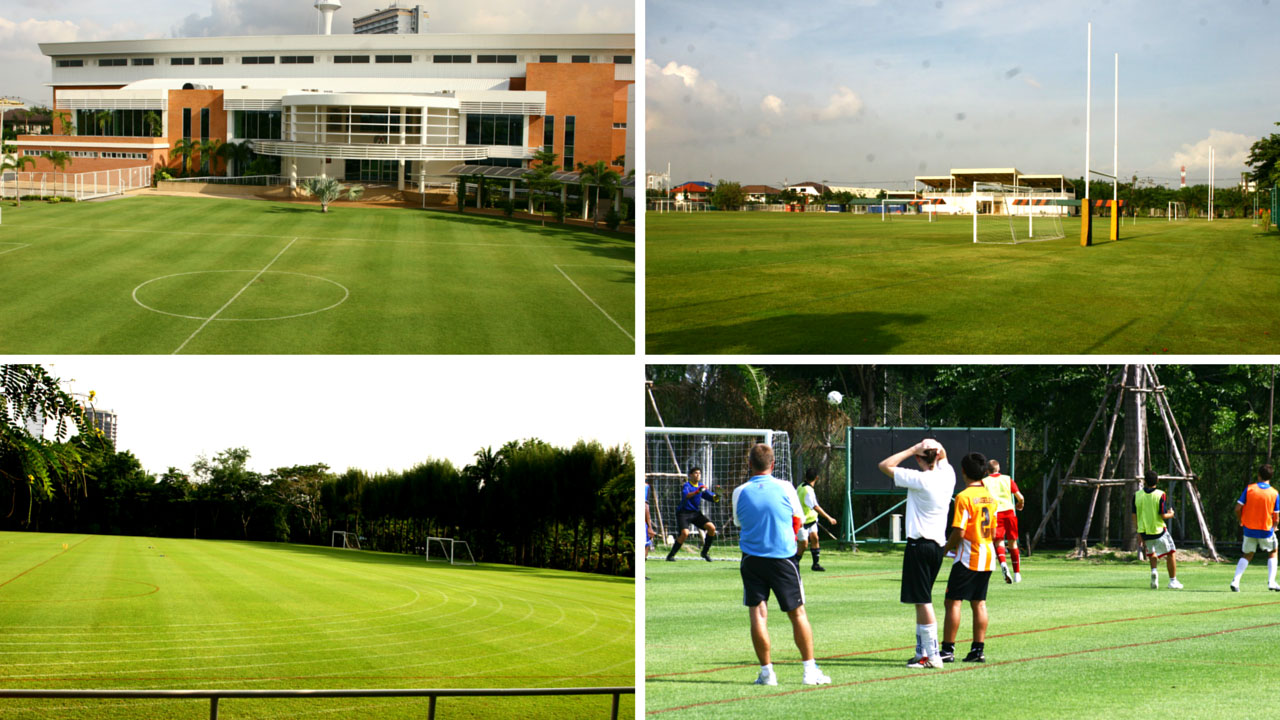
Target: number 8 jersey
[(976, 517)]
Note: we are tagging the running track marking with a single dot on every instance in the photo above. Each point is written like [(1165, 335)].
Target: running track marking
[(917, 674), (42, 562), (227, 304), (593, 302), (1001, 635), (18, 246)]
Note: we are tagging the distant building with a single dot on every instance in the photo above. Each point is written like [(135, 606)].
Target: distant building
[(104, 420), (693, 191), (808, 188), (761, 193), (394, 20)]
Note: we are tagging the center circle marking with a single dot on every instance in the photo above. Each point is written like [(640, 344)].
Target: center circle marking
[(345, 294)]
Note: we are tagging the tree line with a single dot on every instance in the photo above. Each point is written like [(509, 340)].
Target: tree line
[(527, 502)]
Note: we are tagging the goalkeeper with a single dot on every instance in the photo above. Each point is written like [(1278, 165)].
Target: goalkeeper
[(689, 514)]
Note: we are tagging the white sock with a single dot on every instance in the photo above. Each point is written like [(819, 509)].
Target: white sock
[(811, 664), (931, 639), (768, 667), (1271, 571), (1004, 565), (920, 641), (1241, 564)]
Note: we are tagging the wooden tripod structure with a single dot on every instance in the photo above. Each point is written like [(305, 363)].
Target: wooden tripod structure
[(1136, 387)]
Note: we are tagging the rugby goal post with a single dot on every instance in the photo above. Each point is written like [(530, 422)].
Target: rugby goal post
[(721, 453), (448, 550), (1012, 214), (347, 540)]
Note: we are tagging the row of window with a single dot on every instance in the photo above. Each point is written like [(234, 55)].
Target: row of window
[(124, 155), (72, 153), (339, 59), (118, 123)]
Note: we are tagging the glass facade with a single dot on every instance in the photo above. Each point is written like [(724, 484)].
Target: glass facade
[(257, 124), (379, 171), (118, 123), (487, 129), (568, 141), (549, 133)]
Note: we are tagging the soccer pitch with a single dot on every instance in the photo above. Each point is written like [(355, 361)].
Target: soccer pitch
[(776, 283), (150, 613), (1074, 639), (144, 275)]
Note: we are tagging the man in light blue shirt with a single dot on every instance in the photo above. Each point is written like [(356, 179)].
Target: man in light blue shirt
[(768, 512)]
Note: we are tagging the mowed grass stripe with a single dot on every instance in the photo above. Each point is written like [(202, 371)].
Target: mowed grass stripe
[(756, 282), (1075, 620), (234, 614), (419, 282)]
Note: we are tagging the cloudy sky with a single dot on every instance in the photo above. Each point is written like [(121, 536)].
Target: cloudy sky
[(878, 91), (25, 23), (372, 413)]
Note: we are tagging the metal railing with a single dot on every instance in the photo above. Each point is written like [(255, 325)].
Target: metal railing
[(213, 696)]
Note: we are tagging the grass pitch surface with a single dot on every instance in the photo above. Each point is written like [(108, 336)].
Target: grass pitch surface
[(198, 275), (825, 284), (1073, 639), (147, 613)]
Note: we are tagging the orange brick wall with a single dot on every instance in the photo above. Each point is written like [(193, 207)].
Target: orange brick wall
[(81, 165), (589, 93), (196, 100)]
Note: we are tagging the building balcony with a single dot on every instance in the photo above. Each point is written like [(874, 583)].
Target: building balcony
[(372, 151)]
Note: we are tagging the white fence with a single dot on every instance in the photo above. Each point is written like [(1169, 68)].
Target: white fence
[(77, 186)]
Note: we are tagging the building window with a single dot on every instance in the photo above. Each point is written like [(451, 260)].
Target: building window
[(115, 123), (582, 58), (394, 58), (112, 62), (204, 137), (619, 126), (210, 61), (549, 58), (485, 129), (70, 63), (182, 61), (186, 123), (621, 59), (549, 133), (297, 59), (143, 61), (451, 58), (495, 58), (343, 59), (258, 60), (569, 121), (257, 124)]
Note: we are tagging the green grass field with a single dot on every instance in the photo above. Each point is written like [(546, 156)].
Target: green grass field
[(1074, 639), (198, 275), (778, 283), (148, 613)]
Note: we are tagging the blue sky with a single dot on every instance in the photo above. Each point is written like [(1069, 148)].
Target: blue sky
[(25, 23), (863, 91)]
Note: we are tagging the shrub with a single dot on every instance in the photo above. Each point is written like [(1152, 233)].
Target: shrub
[(508, 207), (613, 219)]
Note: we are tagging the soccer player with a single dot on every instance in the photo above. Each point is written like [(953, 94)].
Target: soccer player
[(809, 531), (1259, 511), (1005, 491), (689, 514), (972, 529), (1150, 510), (768, 512), (928, 495)]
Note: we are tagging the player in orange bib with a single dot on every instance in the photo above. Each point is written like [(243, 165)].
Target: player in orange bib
[(1005, 491), (1259, 511), (972, 529)]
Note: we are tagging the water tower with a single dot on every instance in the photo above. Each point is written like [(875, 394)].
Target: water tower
[(327, 8)]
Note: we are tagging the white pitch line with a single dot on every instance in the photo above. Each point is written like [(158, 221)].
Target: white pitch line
[(593, 302), (12, 249), (233, 297)]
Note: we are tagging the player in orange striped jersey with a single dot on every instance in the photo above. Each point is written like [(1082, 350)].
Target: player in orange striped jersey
[(972, 530), (1259, 511)]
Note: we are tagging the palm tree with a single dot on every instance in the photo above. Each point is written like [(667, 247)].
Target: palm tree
[(601, 176), (327, 189), (59, 159), (63, 120), (186, 147), (16, 163), (154, 122), (209, 150), (238, 153), (103, 119)]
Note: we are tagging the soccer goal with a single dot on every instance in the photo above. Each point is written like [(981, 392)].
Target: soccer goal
[(891, 210), (1012, 214), (721, 454), (348, 540), (1177, 211), (450, 551)]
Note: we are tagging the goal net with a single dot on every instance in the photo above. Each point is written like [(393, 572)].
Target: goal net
[(1177, 211), (721, 454), (893, 210), (348, 540), (1012, 214), (449, 551)]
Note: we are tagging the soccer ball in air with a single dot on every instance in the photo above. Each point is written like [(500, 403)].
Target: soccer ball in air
[(834, 397)]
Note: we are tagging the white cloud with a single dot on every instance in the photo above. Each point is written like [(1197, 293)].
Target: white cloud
[(30, 31), (1230, 150), (844, 104), (772, 104), (687, 73)]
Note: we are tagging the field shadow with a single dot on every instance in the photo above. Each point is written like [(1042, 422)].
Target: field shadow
[(854, 333), (288, 210)]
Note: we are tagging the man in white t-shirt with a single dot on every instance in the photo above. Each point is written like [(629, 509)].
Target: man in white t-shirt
[(928, 499)]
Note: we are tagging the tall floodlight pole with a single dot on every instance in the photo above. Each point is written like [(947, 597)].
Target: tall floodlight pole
[(1115, 151), (1210, 183), (1088, 100)]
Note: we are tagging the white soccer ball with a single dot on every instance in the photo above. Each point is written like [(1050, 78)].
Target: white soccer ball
[(834, 397)]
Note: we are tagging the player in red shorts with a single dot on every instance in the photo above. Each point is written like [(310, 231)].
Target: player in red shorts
[(1005, 491)]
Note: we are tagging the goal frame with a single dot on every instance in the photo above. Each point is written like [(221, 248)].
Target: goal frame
[(346, 538), (1171, 212), (999, 193), (451, 554)]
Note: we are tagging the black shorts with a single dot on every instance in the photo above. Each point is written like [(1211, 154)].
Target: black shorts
[(695, 518), (761, 575), (966, 584), (920, 565)]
